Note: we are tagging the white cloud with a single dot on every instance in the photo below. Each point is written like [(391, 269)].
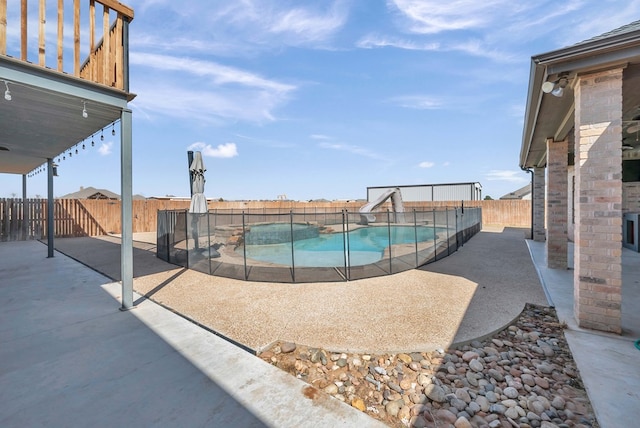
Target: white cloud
[(506, 175), (105, 148), (475, 47), (226, 150), (205, 91), (375, 41), (419, 102), (481, 49), (235, 28), (218, 73), (308, 25), (426, 164), (435, 16), (319, 137), (356, 150)]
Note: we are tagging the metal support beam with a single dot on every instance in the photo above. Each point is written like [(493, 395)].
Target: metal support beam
[(50, 230), (39, 77), (25, 209), (126, 245)]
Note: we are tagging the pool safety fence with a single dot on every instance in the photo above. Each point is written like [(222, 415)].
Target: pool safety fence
[(312, 247)]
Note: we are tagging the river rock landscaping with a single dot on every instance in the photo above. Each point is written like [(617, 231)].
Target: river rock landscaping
[(523, 376)]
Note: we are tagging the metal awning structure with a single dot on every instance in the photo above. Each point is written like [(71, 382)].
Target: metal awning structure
[(45, 112)]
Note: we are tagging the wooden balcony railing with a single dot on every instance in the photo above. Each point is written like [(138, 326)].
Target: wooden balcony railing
[(107, 59)]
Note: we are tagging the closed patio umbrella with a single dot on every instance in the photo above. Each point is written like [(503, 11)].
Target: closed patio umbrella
[(198, 200)]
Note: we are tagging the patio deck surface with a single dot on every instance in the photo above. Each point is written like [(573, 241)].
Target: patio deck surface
[(68, 356)]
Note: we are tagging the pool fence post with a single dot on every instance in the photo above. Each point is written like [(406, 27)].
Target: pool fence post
[(186, 234), (344, 246), (293, 262), (457, 241), (446, 216), (244, 247), (415, 233), (209, 237), (435, 243), (389, 235)]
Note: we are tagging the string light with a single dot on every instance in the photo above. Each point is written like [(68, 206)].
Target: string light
[(102, 135), (113, 129), (7, 94)]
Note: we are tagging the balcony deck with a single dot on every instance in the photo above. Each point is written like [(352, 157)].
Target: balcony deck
[(106, 59)]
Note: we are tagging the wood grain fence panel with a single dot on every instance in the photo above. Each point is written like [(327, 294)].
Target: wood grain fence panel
[(98, 217)]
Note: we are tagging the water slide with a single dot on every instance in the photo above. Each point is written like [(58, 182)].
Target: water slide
[(396, 203)]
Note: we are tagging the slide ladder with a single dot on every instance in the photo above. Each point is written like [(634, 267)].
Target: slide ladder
[(396, 203)]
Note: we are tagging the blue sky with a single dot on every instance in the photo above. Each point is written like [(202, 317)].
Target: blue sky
[(320, 99)]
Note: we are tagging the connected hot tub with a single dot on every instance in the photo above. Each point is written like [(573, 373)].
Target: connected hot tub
[(279, 233)]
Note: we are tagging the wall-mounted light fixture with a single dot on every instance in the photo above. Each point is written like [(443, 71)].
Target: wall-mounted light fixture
[(555, 87), (7, 93)]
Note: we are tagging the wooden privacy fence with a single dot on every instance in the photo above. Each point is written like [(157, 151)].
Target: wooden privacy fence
[(22, 220), (93, 217)]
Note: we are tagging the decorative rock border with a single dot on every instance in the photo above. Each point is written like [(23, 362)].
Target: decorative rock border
[(523, 376)]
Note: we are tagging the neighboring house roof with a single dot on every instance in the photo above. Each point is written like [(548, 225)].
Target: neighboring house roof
[(521, 193), (91, 193)]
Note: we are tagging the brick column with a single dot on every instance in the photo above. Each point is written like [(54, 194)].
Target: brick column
[(598, 209), (557, 194), (537, 199)]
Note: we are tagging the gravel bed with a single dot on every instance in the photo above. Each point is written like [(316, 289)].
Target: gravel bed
[(523, 376)]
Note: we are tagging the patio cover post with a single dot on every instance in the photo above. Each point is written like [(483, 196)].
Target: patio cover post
[(25, 209), (49, 207), (126, 245)]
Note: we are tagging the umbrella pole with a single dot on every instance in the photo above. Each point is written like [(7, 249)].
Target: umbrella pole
[(194, 230), (190, 159)]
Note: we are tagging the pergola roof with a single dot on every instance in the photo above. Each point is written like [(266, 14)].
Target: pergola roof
[(548, 116)]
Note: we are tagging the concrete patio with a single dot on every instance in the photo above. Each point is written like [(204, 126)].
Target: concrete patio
[(69, 357)]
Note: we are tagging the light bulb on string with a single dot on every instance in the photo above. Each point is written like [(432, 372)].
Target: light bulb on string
[(113, 129), (82, 146), (102, 135)]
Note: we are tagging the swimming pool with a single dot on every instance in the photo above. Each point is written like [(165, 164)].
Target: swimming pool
[(365, 245)]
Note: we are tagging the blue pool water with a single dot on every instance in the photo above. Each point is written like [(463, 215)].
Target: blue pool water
[(366, 245)]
